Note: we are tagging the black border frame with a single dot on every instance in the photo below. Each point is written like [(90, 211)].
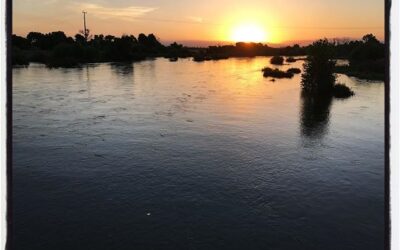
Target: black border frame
[(388, 5), (9, 152), (9, 126)]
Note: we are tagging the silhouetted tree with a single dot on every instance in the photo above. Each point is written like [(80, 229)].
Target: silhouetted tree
[(142, 38), (49, 40), (370, 49), (318, 76), (20, 42), (36, 39), (153, 41), (109, 38), (370, 38), (80, 38), (366, 57)]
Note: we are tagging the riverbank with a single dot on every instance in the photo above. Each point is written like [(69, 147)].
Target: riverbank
[(55, 50)]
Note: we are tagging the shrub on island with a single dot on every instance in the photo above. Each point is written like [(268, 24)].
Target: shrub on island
[(277, 60), (276, 73), (294, 70), (342, 91)]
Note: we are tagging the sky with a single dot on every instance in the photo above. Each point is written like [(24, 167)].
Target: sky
[(206, 21)]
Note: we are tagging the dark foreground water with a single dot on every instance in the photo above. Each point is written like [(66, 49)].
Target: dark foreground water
[(185, 155)]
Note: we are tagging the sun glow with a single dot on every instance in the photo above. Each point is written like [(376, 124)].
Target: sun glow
[(249, 33)]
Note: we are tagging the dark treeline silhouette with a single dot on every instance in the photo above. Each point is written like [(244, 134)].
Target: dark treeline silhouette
[(242, 49), (56, 49), (366, 58)]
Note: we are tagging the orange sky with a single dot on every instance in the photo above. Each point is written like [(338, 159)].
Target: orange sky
[(206, 20)]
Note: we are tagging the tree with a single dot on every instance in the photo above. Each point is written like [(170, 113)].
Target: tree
[(153, 41), (80, 39), (370, 49), (318, 76), (370, 38), (142, 38), (20, 42), (36, 39)]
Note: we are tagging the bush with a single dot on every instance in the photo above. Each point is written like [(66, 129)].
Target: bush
[(277, 60), (290, 60), (276, 73), (294, 70), (342, 91)]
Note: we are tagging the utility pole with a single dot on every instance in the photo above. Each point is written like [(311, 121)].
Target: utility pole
[(85, 33)]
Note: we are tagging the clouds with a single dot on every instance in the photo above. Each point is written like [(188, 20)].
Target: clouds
[(128, 13)]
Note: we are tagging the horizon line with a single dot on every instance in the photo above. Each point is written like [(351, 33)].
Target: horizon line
[(205, 43)]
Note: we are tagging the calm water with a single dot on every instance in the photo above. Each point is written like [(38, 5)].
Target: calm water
[(185, 155)]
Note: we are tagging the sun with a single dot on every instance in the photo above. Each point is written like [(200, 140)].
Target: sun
[(249, 33)]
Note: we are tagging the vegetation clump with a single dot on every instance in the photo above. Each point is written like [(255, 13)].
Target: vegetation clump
[(364, 70), (55, 49), (276, 73), (201, 58), (318, 78), (294, 70), (198, 58), (277, 60), (342, 91), (366, 58)]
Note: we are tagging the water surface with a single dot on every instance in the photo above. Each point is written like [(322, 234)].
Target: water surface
[(186, 155)]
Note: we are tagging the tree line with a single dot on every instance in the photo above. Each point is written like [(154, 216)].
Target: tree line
[(56, 49)]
